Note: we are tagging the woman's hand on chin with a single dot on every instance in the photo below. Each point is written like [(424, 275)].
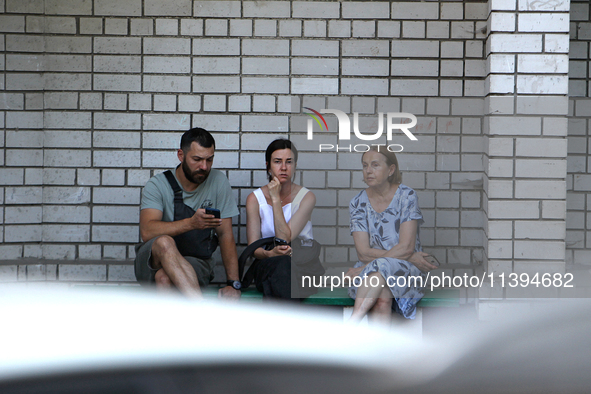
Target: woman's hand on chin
[(274, 188)]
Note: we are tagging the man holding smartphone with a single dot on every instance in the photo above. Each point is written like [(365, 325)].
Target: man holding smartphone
[(184, 214)]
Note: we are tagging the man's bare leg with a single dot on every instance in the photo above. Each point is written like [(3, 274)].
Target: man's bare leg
[(175, 268), (163, 282)]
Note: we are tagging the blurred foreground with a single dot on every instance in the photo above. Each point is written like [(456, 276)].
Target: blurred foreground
[(100, 341)]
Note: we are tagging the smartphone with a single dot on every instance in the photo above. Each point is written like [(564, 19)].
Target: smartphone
[(432, 260), (213, 211), (279, 242)]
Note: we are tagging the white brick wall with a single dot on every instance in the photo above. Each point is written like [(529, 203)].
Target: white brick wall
[(93, 99), (579, 188), (526, 149)]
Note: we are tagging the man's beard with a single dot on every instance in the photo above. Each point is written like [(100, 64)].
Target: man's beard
[(196, 177)]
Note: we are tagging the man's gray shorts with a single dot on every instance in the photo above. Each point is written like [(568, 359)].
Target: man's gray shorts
[(144, 273)]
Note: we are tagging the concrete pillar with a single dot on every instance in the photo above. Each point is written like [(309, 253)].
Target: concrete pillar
[(525, 136)]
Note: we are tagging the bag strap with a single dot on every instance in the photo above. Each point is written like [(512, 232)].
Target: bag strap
[(299, 197), (176, 189), (248, 278)]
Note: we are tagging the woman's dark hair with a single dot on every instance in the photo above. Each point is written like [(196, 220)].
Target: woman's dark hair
[(395, 178), (278, 144), (198, 135)]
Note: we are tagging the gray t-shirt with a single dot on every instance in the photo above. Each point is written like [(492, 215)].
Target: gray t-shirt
[(215, 192)]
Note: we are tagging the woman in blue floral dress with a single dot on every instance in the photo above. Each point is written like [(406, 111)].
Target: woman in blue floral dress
[(385, 220)]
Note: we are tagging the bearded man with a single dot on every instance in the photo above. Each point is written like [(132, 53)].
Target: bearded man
[(185, 213)]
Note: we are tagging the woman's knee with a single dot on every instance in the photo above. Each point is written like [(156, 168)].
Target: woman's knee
[(376, 279), (384, 303)]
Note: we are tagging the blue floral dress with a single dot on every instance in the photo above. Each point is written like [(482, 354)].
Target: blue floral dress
[(384, 232)]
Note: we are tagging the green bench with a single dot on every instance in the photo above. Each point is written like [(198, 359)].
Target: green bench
[(339, 297)]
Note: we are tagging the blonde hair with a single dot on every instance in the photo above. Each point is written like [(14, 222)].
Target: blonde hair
[(391, 159)]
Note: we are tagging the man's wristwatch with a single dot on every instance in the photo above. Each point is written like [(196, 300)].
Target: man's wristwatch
[(235, 284)]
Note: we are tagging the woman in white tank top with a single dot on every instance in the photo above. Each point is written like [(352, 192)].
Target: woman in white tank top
[(281, 208)]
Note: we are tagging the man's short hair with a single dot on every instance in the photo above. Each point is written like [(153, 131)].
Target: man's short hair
[(198, 135)]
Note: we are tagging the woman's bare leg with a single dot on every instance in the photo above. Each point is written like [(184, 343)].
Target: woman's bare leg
[(367, 296), (381, 313)]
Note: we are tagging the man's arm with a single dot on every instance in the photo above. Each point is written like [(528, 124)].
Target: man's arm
[(151, 224), (229, 257)]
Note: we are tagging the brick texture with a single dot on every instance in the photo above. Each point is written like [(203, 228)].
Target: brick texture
[(526, 149), (93, 98)]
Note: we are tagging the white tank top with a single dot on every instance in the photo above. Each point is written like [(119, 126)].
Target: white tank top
[(266, 213)]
